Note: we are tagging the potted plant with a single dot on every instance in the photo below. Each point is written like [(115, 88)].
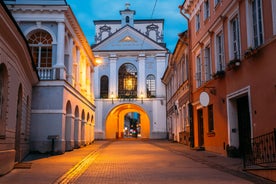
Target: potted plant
[(234, 64), (250, 52), (219, 74), (232, 151)]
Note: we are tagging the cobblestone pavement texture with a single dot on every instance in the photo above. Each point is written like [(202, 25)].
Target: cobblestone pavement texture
[(135, 162)]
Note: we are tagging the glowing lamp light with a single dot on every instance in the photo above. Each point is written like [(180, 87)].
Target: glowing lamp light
[(142, 96), (99, 60), (112, 96)]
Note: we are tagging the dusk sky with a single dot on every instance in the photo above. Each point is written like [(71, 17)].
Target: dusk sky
[(88, 11)]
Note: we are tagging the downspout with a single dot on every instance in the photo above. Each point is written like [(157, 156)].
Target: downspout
[(189, 79)]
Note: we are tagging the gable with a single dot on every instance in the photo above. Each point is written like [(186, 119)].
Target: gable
[(127, 38)]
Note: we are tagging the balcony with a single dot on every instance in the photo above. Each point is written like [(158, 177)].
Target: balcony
[(45, 73)]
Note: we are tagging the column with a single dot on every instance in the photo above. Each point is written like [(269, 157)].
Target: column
[(70, 62), (141, 76), (113, 75), (160, 69), (59, 71)]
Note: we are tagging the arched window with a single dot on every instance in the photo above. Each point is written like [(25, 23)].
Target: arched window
[(104, 87), (150, 82), (3, 99), (127, 19), (127, 81), (40, 43)]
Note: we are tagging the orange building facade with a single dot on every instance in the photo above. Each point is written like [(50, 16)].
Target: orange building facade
[(233, 82)]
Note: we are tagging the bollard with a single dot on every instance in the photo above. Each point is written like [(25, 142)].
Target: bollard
[(53, 138)]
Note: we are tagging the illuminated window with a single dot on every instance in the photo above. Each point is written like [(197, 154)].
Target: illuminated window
[(104, 87), (41, 47), (151, 89), (127, 81)]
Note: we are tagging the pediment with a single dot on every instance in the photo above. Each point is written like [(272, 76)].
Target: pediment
[(127, 38)]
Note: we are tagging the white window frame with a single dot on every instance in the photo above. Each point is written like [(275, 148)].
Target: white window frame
[(250, 25), (219, 46), (198, 70), (197, 22), (208, 63), (206, 9), (234, 43)]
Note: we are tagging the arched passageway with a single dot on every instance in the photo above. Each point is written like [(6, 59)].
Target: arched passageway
[(115, 121)]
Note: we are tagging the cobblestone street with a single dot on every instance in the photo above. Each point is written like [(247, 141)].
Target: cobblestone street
[(140, 162), (133, 161)]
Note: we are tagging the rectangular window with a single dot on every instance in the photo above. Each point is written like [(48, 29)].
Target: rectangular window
[(206, 9), (197, 22), (274, 16), (179, 82), (220, 52), (235, 38), (217, 2), (208, 66), (210, 118), (257, 20), (186, 117), (198, 71)]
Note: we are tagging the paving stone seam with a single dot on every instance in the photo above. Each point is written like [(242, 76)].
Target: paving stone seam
[(75, 172)]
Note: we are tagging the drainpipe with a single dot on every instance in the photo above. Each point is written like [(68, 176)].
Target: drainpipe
[(189, 78)]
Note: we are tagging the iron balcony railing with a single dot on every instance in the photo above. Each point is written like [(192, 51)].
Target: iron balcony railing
[(263, 152)]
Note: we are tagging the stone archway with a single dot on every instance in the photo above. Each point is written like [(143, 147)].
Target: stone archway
[(114, 127)]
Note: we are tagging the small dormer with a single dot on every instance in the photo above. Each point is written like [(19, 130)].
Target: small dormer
[(127, 16)]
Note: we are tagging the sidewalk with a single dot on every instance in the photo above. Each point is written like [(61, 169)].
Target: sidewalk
[(233, 166), (46, 169)]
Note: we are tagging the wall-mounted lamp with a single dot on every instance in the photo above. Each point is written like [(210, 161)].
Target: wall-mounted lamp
[(142, 96), (212, 90), (112, 96), (98, 60)]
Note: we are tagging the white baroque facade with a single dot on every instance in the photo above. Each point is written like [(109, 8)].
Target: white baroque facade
[(63, 108), (128, 79)]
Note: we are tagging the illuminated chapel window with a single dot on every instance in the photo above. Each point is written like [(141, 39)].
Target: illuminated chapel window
[(41, 47), (127, 81)]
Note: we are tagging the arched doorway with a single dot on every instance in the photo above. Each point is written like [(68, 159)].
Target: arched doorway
[(115, 121)]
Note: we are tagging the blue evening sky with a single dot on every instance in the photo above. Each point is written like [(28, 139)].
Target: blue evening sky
[(88, 11)]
